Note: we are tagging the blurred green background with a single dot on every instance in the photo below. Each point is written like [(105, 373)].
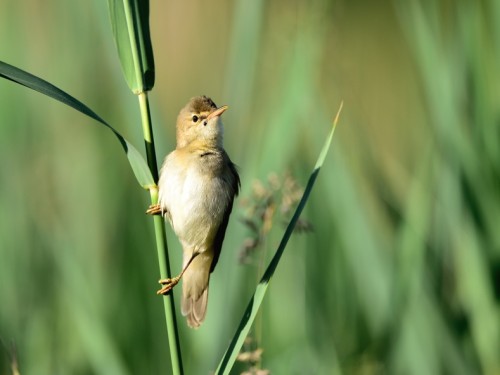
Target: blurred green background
[(402, 272)]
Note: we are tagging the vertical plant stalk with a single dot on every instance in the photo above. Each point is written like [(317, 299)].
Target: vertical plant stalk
[(159, 225), (161, 239)]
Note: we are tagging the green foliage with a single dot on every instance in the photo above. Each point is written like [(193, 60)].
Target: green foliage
[(139, 166), (130, 24), (253, 307), (401, 273)]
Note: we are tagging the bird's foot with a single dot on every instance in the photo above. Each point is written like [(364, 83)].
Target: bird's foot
[(168, 285), (154, 209)]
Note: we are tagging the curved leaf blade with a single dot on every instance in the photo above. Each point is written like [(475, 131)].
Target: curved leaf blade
[(137, 162), (130, 24), (246, 322)]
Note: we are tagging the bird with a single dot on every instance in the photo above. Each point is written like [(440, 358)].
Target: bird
[(196, 189)]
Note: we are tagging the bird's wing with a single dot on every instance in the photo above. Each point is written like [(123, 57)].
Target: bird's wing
[(234, 181)]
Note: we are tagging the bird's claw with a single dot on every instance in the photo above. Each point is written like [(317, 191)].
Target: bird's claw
[(154, 209), (168, 285)]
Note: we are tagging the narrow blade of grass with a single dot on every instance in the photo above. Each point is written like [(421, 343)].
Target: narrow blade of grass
[(130, 23), (246, 322), (140, 168)]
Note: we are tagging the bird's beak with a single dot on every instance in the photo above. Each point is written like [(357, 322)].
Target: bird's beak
[(219, 111)]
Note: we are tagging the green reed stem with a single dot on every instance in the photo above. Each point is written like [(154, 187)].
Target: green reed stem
[(161, 239), (159, 226)]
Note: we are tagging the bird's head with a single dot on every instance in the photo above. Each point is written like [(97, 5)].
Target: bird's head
[(200, 121)]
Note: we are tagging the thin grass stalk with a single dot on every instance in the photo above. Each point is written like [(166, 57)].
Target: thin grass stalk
[(253, 307), (161, 239), (159, 225)]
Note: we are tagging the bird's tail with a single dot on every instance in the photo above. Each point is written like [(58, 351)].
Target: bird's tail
[(195, 288)]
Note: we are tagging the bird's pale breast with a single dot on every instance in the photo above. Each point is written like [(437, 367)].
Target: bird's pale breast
[(194, 199)]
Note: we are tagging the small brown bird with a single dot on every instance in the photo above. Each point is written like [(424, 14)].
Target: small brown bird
[(197, 186)]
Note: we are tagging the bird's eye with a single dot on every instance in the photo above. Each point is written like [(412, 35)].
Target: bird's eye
[(195, 118)]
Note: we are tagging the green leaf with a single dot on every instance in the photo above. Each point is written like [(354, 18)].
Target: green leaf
[(130, 23), (137, 162), (246, 322)]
